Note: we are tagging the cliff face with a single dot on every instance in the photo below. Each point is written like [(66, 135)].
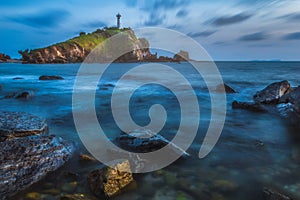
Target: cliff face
[(76, 49), (4, 58)]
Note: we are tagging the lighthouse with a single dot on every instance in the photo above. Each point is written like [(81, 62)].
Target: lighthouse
[(118, 20)]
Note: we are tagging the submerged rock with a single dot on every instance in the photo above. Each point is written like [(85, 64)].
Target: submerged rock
[(21, 95), (49, 78), (272, 93), (77, 197), (26, 160), (20, 124), (110, 181), (228, 89), (85, 157), (18, 78), (140, 141), (274, 195), (254, 107)]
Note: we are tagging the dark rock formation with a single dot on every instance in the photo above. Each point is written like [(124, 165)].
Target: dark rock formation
[(21, 95), (26, 160), (272, 93), (50, 78), (18, 78), (77, 197), (0, 87), (138, 141), (182, 56), (110, 181), (227, 88), (269, 194), (19, 124), (4, 57), (254, 107)]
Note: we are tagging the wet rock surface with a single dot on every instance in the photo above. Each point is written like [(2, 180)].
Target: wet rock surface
[(110, 181), (24, 161), (272, 93), (20, 124), (270, 194), (21, 95), (50, 78), (279, 97)]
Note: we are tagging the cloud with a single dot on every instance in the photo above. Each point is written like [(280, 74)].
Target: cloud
[(202, 34), (154, 20), (254, 37), (49, 18), (292, 36), (228, 20), (169, 4), (182, 13), (291, 17)]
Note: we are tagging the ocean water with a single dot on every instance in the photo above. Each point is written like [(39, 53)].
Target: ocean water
[(255, 150)]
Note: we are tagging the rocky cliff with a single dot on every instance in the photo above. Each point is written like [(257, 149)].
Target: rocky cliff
[(76, 49), (4, 58)]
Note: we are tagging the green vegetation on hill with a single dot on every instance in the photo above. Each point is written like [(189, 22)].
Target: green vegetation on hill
[(90, 40)]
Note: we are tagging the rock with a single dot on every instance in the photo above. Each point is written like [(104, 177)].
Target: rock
[(33, 196), (21, 95), (270, 194), (26, 160), (182, 56), (69, 187), (0, 87), (225, 186), (110, 181), (85, 157), (18, 78), (140, 142), (20, 124), (50, 78), (254, 107), (77, 197), (272, 93), (52, 191), (227, 88)]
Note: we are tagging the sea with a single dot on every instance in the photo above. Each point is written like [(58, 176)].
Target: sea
[(255, 151)]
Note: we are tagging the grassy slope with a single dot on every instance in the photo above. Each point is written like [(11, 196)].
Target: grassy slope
[(89, 41)]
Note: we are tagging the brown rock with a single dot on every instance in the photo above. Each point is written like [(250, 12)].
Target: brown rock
[(50, 78), (110, 181)]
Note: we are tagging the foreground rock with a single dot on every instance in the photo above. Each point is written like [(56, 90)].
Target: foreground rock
[(272, 93), (26, 160), (110, 181), (220, 88), (278, 97), (274, 195), (77, 197), (20, 124), (50, 78)]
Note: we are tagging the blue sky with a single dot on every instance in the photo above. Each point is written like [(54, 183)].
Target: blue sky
[(227, 29)]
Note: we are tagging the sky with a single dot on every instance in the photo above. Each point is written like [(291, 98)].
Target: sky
[(227, 29)]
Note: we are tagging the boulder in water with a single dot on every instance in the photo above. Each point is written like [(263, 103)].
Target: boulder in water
[(110, 181), (26, 160), (274, 195), (20, 124), (272, 93), (50, 78)]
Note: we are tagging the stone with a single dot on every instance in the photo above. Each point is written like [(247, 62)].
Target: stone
[(52, 191), (77, 197), (220, 88), (272, 93), (33, 196), (26, 160), (110, 181), (18, 78), (20, 124), (69, 187), (254, 107), (49, 78), (270, 194), (0, 87), (21, 95), (181, 56), (140, 141), (225, 185), (85, 157)]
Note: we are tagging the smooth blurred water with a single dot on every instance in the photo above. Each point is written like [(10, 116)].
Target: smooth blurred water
[(256, 150)]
